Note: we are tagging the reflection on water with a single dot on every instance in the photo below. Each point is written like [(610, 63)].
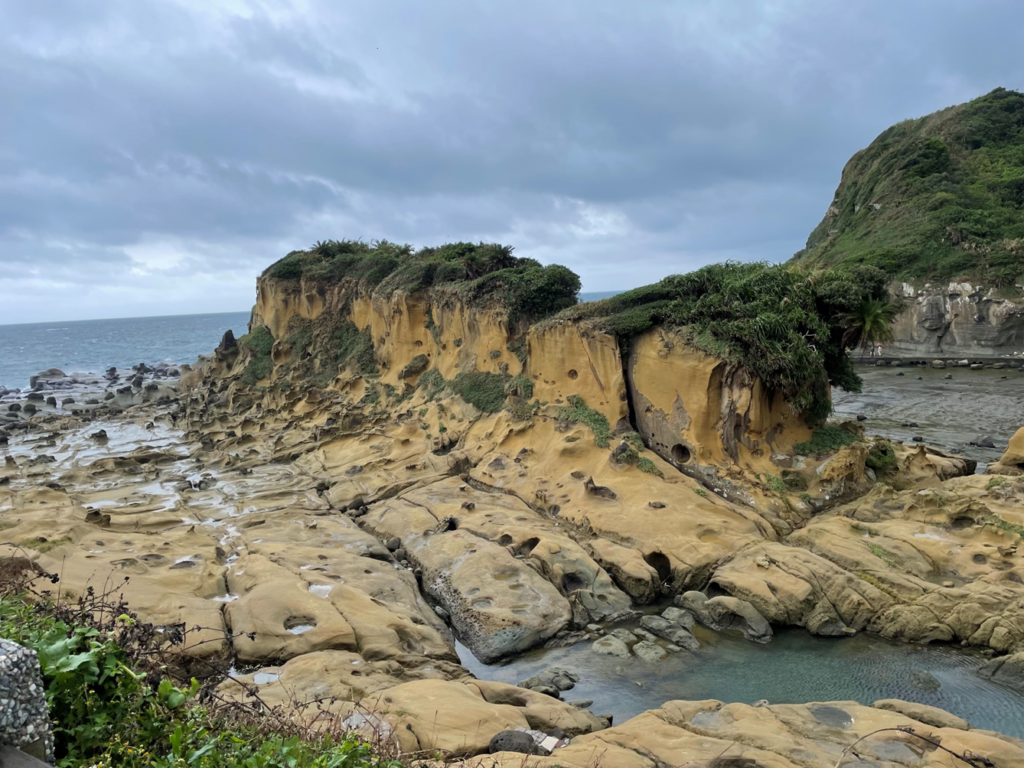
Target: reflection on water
[(949, 413), (796, 667)]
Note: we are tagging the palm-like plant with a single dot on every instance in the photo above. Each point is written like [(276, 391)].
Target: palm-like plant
[(871, 323)]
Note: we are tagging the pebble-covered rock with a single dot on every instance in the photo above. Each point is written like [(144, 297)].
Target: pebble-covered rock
[(24, 719)]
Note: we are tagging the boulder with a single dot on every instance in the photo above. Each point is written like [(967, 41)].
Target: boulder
[(679, 616), (1012, 460), (559, 679), (649, 652), (667, 630), (611, 646), (727, 613), (512, 741), (1006, 670)]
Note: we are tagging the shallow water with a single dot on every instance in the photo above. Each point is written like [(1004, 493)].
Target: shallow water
[(796, 667), (950, 413)]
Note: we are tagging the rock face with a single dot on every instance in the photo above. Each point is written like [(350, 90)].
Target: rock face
[(694, 409), (958, 319), (1008, 671)]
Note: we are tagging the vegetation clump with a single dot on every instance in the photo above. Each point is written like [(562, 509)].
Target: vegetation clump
[(113, 703), (578, 412), (881, 458), (260, 342), (485, 391), (936, 198), (481, 274), (826, 439), (788, 328), (481, 389)]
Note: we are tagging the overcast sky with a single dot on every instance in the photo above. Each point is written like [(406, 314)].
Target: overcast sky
[(156, 156)]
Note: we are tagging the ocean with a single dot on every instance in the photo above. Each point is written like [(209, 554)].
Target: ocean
[(95, 345)]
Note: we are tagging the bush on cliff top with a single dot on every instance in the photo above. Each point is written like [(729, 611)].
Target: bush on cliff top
[(481, 274), (783, 325)]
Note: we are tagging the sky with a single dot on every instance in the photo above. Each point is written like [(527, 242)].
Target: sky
[(157, 155)]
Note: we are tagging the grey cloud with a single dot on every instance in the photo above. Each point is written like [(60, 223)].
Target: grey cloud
[(158, 152)]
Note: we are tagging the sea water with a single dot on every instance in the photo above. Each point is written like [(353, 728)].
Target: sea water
[(95, 345)]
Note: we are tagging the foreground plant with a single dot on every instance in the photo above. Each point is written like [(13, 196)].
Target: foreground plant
[(113, 701)]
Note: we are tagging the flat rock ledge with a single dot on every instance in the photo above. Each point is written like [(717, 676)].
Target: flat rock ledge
[(24, 720)]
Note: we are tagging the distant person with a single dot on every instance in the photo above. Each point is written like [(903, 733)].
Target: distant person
[(879, 350)]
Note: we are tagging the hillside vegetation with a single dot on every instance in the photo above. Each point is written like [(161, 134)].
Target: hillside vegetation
[(936, 198)]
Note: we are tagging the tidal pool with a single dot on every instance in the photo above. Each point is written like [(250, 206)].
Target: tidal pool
[(949, 413), (796, 667)]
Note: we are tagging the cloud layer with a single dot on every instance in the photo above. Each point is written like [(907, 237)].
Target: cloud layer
[(155, 156)]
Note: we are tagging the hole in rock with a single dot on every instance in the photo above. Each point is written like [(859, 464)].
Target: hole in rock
[(573, 374), (979, 559), (680, 453), (529, 545), (572, 582), (960, 523), (505, 540), (299, 624), (660, 563)]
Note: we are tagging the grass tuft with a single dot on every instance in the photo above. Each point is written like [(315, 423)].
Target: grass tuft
[(577, 412)]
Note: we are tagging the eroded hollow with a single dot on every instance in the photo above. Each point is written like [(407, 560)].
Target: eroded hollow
[(660, 563), (573, 374), (680, 453), (299, 624), (528, 546), (572, 582)]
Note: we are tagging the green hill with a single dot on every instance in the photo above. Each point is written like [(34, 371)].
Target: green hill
[(936, 198)]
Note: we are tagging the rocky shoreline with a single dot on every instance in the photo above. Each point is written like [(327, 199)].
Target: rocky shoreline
[(333, 542)]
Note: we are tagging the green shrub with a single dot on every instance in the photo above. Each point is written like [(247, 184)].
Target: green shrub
[(486, 391), (775, 484), (648, 466), (520, 386), (519, 348), (260, 342), (577, 412), (825, 440), (881, 458), (481, 274), (350, 346), (108, 711)]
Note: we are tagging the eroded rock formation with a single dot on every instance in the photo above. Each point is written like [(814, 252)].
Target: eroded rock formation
[(336, 528)]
